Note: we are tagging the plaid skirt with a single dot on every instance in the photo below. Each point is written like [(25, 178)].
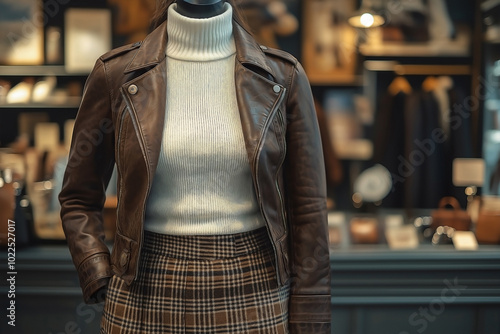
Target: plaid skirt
[(200, 284)]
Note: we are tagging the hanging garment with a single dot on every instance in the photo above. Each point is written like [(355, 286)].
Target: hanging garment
[(389, 143), (424, 152)]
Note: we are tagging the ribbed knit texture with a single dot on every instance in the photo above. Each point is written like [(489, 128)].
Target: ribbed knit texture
[(202, 184)]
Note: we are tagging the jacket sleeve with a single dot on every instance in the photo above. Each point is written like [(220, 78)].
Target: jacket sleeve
[(82, 197), (305, 182)]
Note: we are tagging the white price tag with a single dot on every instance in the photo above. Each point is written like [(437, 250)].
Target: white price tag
[(404, 237), (464, 240)]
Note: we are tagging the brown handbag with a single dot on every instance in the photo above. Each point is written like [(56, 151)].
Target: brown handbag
[(7, 207), (488, 221), (455, 217)]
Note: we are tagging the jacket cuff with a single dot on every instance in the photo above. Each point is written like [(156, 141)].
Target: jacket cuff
[(94, 273), (308, 328), (99, 294), (309, 314)]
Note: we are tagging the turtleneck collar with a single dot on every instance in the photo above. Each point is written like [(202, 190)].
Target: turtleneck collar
[(204, 39)]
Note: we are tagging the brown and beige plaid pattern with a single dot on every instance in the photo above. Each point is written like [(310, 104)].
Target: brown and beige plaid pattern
[(200, 284)]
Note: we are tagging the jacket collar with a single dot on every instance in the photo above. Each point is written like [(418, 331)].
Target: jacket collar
[(152, 50)]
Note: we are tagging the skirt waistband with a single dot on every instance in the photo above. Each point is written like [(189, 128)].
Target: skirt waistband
[(206, 247)]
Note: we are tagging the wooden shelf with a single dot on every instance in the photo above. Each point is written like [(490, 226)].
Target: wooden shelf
[(459, 47), (69, 102), (339, 81), (43, 70), (416, 69)]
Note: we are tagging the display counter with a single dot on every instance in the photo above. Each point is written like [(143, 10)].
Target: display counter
[(432, 289)]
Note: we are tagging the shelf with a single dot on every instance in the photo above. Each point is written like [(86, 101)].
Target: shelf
[(416, 69), (69, 102), (492, 40), (38, 106), (44, 70), (459, 47), (340, 81)]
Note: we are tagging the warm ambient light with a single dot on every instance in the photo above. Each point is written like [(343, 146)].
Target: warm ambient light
[(366, 20)]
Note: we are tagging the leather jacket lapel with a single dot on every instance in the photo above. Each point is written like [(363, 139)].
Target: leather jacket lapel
[(257, 93), (145, 97), (152, 50), (248, 52), (257, 99), (256, 90)]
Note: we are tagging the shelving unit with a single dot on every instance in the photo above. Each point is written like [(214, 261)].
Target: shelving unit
[(338, 81), (458, 47), (416, 69), (68, 102), (59, 106), (42, 70)]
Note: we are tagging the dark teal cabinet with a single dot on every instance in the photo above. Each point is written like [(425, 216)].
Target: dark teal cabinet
[(432, 290), (429, 290)]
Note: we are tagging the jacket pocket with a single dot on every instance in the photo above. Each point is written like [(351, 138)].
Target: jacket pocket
[(120, 256)]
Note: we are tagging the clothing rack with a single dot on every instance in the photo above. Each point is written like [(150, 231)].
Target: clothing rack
[(413, 69)]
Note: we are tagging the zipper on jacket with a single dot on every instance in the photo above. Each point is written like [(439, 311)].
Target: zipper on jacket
[(256, 166), (122, 117), (148, 189), (283, 217)]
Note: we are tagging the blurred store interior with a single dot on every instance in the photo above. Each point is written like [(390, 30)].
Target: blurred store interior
[(408, 103)]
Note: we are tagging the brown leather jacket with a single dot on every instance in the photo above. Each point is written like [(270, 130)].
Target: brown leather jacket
[(121, 120)]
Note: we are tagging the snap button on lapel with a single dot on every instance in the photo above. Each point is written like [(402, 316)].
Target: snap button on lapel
[(132, 89), (263, 47), (277, 89)]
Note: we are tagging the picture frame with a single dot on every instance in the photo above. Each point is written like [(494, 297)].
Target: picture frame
[(87, 36), (21, 32), (329, 46)]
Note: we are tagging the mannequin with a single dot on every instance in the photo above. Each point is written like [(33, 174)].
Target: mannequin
[(200, 8), (209, 131), (194, 9)]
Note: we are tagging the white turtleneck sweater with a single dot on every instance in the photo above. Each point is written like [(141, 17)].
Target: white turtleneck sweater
[(202, 184)]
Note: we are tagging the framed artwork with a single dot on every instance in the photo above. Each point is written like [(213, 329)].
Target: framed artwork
[(329, 46), (21, 32), (87, 37)]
